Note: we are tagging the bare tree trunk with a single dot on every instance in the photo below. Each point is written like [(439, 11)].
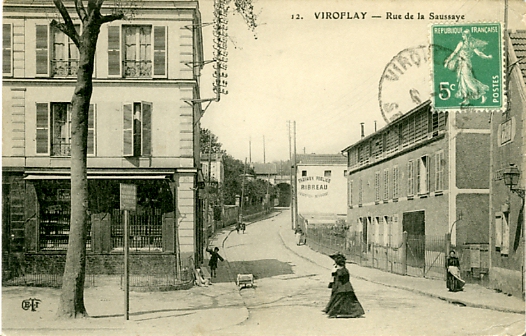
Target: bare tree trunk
[(72, 296)]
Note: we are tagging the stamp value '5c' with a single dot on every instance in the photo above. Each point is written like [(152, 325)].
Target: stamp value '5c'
[(467, 68)]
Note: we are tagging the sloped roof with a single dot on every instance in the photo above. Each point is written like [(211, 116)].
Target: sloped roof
[(518, 41), (321, 159), (265, 168)]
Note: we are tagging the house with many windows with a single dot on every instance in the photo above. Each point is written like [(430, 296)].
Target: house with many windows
[(143, 129), (425, 174)]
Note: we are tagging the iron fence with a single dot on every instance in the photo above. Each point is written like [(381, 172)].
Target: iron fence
[(416, 255)]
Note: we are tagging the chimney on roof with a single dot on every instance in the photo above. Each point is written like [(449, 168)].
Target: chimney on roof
[(362, 129), (375, 126)]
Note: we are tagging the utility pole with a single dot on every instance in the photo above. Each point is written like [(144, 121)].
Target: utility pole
[(291, 180), (241, 201), (264, 160), (249, 150), (295, 182), (207, 189)]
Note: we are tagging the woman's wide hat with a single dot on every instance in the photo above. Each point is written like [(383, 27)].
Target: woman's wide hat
[(338, 257)]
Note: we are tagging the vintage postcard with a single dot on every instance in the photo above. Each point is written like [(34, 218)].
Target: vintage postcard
[(263, 167)]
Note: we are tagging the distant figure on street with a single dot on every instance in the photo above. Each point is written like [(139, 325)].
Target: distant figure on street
[(343, 301), (214, 255), (299, 234), (453, 281), (238, 226)]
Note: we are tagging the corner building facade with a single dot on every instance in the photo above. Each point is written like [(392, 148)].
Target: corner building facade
[(143, 129)]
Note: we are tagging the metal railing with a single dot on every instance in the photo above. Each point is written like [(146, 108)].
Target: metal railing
[(422, 256)]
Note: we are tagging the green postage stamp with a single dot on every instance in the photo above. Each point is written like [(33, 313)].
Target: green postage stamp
[(467, 68)]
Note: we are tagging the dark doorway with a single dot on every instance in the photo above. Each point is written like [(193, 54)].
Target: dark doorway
[(414, 223)]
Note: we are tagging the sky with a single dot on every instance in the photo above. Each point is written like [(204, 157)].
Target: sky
[(324, 74)]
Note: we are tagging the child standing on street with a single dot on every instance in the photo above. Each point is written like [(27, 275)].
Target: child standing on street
[(214, 255)]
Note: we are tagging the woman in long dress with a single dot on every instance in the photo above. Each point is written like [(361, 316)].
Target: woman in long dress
[(469, 88), (453, 281), (343, 301)]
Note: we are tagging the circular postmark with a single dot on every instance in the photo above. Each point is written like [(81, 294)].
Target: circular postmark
[(405, 83)]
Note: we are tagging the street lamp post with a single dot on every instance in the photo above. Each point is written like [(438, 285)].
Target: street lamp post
[(511, 176)]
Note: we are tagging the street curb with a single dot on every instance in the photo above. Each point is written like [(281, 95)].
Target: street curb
[(448, 300)]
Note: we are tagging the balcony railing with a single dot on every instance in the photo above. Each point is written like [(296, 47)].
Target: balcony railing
[(64, 68), (138, 69), (61, 149)]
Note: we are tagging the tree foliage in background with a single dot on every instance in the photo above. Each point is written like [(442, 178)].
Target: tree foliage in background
[(210, 143), (255, 189)]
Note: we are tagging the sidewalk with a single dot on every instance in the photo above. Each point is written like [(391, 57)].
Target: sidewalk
[(196, 311), (473, 295)]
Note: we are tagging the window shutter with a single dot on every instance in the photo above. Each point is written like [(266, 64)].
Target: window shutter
[(410, 178), (428, 168), (498, 230), (505, 249), (7, 47), (349, 193), (127, 129), (159, 51), (91, 129), (42, 62), (419, 186), (42, 136), (395, 231), (114, 53), (146, 129)]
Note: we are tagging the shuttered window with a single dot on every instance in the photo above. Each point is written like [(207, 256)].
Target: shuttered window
[(439, 171), (65, 54), (114, 53), (42, 57), (42, 131), (395, 182), (7, 49), (377, 186), (159, 51), (422, 175), (137, 129), (53, 129)]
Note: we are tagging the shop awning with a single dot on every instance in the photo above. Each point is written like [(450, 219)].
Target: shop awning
[(98, 177)]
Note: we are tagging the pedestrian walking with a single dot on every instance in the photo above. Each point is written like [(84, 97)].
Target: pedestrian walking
[(453, 280), (238, 226), (214, 256), (343, 301)]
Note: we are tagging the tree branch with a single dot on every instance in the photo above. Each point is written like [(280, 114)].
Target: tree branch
[(71, 32), (67, 27), (111, 17), (81, 11)]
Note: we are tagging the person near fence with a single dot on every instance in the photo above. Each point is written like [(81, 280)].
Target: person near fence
[(453, 280), (299, 235), (214, 256), (343, 301)]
